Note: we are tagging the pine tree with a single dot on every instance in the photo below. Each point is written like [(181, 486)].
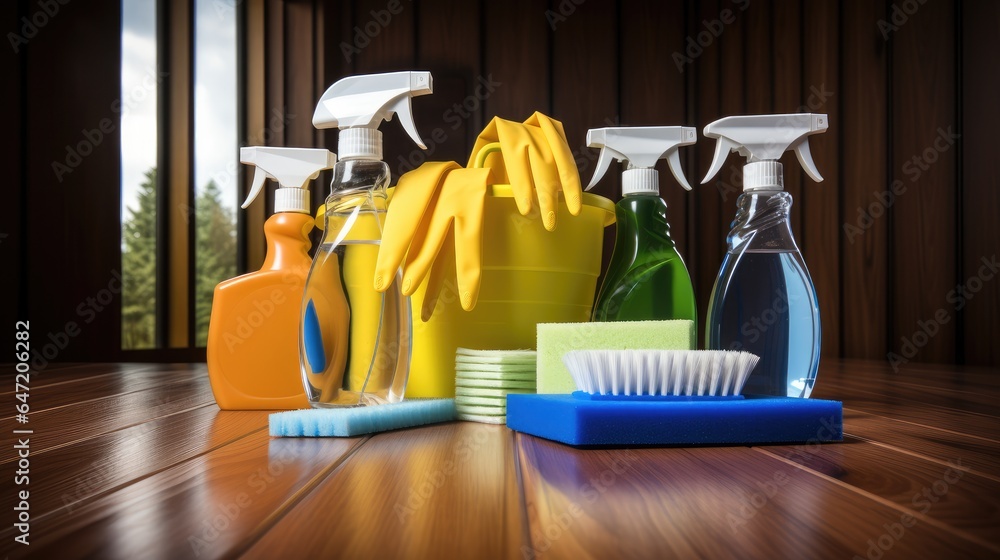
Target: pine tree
[(215, 255), (139, 269)]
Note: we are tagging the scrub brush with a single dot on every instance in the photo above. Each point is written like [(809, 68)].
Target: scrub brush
[(669, 397), (660, 373)]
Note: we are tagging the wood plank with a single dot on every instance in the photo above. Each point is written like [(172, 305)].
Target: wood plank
[(788, 96), (968, 378), (206, 507), (980, 228), (447, 491), (103, 386), (979, 425), (14, 280), (708, 229), (517, 45), (392, 49), (250, 221), (338, 62), (175, 173), (69, 477), (74, 209), (980, 455), (653, 94), (68, 424), (820, 218), (450, 45), (48, 377), (585, 90), (700, 502), (880, 383), (758, 89), (950, 495), (924, 157), (300, 62), (864, 171), (918, 397)]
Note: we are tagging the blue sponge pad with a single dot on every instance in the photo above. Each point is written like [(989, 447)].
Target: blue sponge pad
[(578, 419), (346, 422)]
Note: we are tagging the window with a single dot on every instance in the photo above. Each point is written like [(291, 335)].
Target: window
[(139, 186), (180, 168)]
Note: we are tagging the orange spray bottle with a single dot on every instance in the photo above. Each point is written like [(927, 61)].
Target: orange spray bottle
[(253, 354)]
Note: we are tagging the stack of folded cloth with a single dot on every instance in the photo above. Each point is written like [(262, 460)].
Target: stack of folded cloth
[(483, 378)]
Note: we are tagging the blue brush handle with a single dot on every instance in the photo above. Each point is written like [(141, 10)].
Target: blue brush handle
[(594, 397)]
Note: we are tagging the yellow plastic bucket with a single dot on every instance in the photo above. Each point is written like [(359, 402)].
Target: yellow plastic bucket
[(529, 276)]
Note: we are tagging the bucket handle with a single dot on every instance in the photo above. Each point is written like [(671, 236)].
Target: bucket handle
[(484, 152)]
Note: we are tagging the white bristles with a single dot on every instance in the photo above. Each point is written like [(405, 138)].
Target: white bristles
[(660, 372)]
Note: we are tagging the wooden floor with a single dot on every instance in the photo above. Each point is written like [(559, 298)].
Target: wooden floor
[(136, 461)]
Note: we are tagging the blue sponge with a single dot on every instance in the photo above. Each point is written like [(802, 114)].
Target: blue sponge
[(580, 419), (346, 422)]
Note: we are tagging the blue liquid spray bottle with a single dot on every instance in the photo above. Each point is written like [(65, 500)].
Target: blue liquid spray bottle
[(764, 300)]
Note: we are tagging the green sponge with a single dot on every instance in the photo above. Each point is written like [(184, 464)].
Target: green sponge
[(555, 339)]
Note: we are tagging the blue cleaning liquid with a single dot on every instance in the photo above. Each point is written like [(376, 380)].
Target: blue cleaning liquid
[(764, 302)]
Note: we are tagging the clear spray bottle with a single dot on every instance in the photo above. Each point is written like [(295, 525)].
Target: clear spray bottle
[(354, 341), (764, 300)]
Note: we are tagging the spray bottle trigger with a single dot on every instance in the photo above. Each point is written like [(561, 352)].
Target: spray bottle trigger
[(403, 108), (804, 156), (674, 162), (722, 149), (259, 176), (603, 162)]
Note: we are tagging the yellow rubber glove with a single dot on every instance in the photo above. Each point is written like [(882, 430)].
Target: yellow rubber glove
[(456, 214), (537, 161), (413, 196)]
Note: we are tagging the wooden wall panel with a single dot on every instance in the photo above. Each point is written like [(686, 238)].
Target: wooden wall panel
[(448, 46), (924, 157), (391, 49), (585, 85), (888, 86), (653, 93), (299, 61), (980, 228), (864, 171), (13, 279), (707, 226), (516, 53), (819, 219), (73, 213)]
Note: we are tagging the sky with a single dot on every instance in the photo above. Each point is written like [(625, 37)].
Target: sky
[(215, 148)]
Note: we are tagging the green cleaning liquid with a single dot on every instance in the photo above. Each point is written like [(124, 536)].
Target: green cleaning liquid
[(647, 279)]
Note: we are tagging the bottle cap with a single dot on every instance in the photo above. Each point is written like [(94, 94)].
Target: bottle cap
[(641, 147), (763, 139), (292, 168), (357, 105)]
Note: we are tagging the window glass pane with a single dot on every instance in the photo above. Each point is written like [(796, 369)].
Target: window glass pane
[(138, 212), (216, 153)]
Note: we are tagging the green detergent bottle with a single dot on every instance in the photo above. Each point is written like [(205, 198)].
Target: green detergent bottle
[(647, 279)]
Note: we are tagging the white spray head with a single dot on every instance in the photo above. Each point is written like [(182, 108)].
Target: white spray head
[(642, 147), (762, 139), (292, 168), (358, 104)]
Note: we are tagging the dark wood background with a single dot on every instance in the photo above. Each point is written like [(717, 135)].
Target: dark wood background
[(890, 88)]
